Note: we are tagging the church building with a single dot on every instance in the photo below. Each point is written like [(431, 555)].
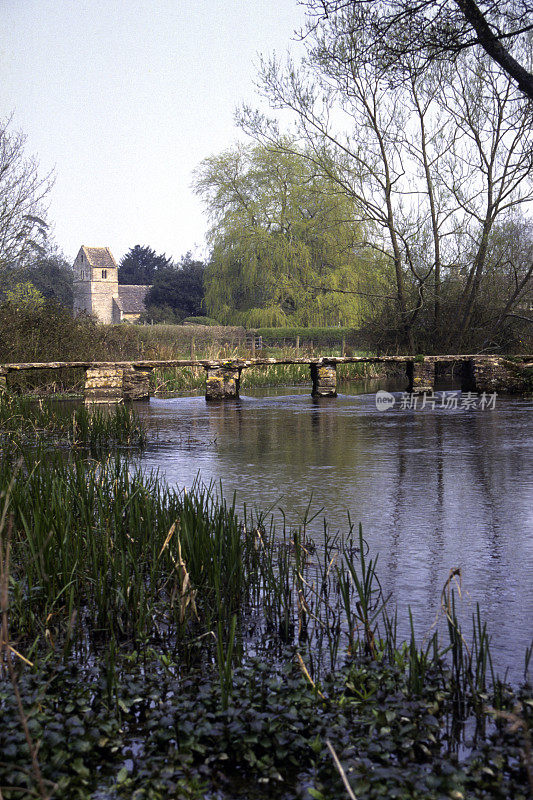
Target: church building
[(98, 292)]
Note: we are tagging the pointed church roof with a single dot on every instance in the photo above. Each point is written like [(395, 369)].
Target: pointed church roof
[(100, 257)]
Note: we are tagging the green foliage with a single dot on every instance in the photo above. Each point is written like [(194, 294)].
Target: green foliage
[(49, 273), (49, 332), (179, 288), (24, 297), (140, 265), (286, 244), (161, 314), (272, 737)]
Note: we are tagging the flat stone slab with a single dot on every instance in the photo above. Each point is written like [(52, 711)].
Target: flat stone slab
[(252, 362)]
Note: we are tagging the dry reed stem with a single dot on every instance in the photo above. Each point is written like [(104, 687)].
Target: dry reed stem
[(454, 576), (340, 770), (317, 594), (16, 652), (170, 534), (186, 591), (307, 675)]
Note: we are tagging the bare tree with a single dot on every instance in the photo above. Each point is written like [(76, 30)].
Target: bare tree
[(23, 195), (434, 161), (509, 276), (433, 30), (490, 173)]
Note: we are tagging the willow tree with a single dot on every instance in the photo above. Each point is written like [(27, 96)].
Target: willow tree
[(287, 245)]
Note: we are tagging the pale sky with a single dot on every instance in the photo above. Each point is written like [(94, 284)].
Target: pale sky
[(123, 98)]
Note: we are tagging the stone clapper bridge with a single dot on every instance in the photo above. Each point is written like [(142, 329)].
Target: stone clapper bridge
[(113, 382)]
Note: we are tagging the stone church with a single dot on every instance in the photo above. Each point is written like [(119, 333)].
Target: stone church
[(98, 292)]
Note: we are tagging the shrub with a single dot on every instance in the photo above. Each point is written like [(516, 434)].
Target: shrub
[(49, 332)]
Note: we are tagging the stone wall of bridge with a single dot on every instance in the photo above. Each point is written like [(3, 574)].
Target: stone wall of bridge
[(324, 380), (103, 385), (499, 374), (136, 383), (222, 382)]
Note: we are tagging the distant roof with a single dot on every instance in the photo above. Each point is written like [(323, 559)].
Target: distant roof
[(99, 256), (131, 298)]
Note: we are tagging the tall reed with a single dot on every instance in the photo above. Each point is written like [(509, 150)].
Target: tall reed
[(24, 422)]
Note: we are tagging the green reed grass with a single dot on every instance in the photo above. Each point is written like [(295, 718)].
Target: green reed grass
[(97, 549), (275, 375), (24, 421), (177, 379)]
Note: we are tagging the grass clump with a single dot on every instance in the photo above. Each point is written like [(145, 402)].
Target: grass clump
[(275, 375), (24, 421)]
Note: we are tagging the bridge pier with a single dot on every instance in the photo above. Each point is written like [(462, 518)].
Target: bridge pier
[(103, 385), (136, 383), (324, 378), (421, 376), (222, 382)]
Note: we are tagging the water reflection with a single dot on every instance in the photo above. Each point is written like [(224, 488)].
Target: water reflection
[(433, 489)]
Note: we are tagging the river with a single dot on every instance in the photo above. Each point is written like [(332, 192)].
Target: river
[(435, 489)]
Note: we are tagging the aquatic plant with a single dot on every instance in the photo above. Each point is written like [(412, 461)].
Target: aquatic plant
[(24, 421)]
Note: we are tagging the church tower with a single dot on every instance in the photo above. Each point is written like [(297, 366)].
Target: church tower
[(95, 283)]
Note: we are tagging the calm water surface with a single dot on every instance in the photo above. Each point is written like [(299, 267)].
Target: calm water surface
[(433, 489)]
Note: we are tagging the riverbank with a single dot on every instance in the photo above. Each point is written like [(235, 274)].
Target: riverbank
[(161, 645)]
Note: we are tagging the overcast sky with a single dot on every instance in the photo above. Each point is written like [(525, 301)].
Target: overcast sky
[(123, 98)]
